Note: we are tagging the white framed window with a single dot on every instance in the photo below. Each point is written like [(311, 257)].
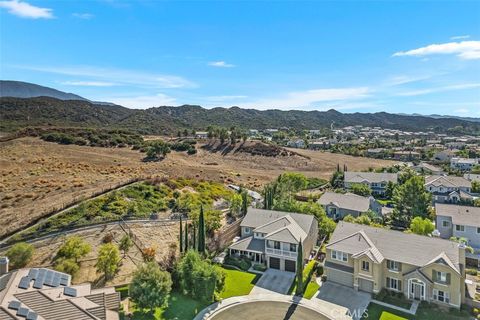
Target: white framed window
[(393, 265), (393, 284), (247, 230), (441, 276), (442, 296), (460, 228), (293, 247), (445, 224), (339, 255)]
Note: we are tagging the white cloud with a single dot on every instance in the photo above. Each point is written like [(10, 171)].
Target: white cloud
[(119, 76), (440, 89), (404, 79), (88, 83), (26, 10), (462, 111), (225, 98), (221, 64), (303, 99), (468, 50), (143, 102), (460, 37), (85, 16)]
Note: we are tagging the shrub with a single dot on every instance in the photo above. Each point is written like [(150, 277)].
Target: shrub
[(472, 272), (242, 262), (259, 267), (20, 254)]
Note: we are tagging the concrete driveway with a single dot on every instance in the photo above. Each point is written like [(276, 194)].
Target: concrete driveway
[(347, 300), (273, 281)]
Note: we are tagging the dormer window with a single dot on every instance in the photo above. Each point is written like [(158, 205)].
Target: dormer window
[(247, 230)]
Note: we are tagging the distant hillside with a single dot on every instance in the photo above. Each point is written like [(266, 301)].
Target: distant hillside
[(17, 113), (19, 89)]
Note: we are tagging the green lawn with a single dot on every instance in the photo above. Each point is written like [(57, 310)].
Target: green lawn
[(424, 312), (180, 307), (238, 283), (307, 273), (396, 301)]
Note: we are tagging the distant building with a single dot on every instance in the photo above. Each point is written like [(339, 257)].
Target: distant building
[(41, 294), (201, 134), (406, 155), (444, 156), (463, 164), (298, 143), (426, 168), (376, 181), (448, 189), (472, 177), (338, 205)]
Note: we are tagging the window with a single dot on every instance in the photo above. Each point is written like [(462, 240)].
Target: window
[(247, 230), (441, 276), (393, 265), (293, 247), (478, 230), (441, 296), (460, 228), (445, 224), (276, 245), (365, 266), (394, 284), (339, 255)]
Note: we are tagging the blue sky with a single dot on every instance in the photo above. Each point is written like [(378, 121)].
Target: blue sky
[(353, 56)]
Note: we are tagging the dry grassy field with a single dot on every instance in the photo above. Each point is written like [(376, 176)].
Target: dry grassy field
[(37, 176)]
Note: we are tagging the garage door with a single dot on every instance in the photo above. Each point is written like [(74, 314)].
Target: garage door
[(275, 263), (290, 265), (340, 277), (365, 285)]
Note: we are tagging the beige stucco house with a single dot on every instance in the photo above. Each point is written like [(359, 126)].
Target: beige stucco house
[(272, 237), (422, 268)]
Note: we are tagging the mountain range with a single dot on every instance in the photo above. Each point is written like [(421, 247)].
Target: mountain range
[(25, 104)]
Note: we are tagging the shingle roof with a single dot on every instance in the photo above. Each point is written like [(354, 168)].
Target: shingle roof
[(249, 244), (448, 181), (463, 215), (358, 177), (258, 217), (393, 245), (347, 201)]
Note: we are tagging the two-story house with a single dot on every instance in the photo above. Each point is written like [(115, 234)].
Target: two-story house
[(339, 205), (376, 181), (422, 268), (448, 189), (463, 164), (461, 222), (272, 237)]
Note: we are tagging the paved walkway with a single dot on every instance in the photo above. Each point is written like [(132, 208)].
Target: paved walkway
[(412, 310)]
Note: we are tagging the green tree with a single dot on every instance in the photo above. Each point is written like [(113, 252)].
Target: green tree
[(201, 232), (125, 244), (410, 200), (74, 248), (336, 181), (198, 278), (181, 235), (20, 254), (186, 244), (299, 290), (150, 287), (326, 226), (158, 150), (67, 266), (245, 202), (108, 259), (236, 204), (389, 189), (361, 189), (476, 186), (422, 226)]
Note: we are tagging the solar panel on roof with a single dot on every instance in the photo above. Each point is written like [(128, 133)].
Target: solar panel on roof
[(56, 280), (33, 273), (14, 305), (64, 282), (49, 278), (38, 284), (71, 292), (32, 316), (24, 283), (22, 312)]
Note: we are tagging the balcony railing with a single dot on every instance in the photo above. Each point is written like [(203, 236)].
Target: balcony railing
[(280, 252)]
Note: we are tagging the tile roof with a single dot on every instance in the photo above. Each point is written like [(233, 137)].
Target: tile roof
[(393, 245), (347, 201), (463, 215)]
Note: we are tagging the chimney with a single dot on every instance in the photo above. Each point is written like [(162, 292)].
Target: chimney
[(4, 265)]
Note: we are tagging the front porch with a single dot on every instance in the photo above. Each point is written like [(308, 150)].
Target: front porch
[(257, 257)]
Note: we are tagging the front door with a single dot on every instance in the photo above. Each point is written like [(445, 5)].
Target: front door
[(417, 291)]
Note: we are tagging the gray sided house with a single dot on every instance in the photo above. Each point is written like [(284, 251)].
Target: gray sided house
[(448, 189), (272, 237), (376, 181), (338, 205), (461, 222)]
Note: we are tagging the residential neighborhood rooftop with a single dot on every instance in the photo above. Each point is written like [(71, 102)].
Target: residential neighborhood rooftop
[(349, 201), (375, 177), (461, 215)]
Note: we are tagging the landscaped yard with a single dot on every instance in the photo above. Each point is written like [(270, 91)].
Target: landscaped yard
[(397, 299), (238, 283), (424, 312)]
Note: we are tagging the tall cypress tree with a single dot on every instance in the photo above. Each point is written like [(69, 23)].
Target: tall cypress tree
[(201, 232), (186, 236), (299, 290), (181, 235), (244, 202), (194, 240)]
